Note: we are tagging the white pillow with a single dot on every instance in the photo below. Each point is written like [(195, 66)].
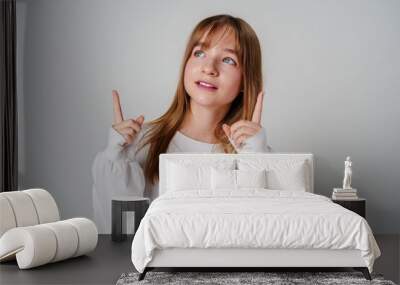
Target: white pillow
[(237, 179), (282, 174), (223, 179), (186, 174), (251, 178), (293, 178)]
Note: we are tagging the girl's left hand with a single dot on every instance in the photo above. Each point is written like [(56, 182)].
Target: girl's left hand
[(244, 129)]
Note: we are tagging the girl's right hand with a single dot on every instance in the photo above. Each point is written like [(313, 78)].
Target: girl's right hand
[(127, 128)]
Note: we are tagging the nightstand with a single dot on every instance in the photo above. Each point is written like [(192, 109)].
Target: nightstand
[(120, 204), (357, 205)]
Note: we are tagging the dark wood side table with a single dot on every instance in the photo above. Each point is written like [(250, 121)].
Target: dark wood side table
[(357, 205), (120, 204)]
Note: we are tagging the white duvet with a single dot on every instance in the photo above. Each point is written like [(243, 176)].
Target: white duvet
[(250, 218)]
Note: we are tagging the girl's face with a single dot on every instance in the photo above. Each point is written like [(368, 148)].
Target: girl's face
[(212, 76)]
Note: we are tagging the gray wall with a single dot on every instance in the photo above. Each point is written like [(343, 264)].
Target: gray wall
[(331, 73)]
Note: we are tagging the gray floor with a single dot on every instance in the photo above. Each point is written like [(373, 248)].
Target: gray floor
[(103, 266), (110, 259)]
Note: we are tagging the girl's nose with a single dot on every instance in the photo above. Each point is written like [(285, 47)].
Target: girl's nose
[(209, 68)]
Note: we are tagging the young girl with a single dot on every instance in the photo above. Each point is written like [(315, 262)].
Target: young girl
[(216, 109)]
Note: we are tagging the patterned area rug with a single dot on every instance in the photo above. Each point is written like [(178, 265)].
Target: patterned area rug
[(229, 278)]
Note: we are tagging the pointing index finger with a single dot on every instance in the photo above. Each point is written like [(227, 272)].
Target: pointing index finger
[(256, 118), (118, 117)]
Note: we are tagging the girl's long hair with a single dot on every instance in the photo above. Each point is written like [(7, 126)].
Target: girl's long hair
[(162, 130)]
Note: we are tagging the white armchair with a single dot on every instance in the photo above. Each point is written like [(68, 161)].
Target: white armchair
[(32, 233)]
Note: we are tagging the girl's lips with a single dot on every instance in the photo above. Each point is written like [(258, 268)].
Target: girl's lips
[(206, 86)]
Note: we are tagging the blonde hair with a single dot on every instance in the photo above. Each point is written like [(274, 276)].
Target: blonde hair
[(162, 130)]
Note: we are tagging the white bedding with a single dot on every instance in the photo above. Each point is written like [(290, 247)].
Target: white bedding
[(250, 218)]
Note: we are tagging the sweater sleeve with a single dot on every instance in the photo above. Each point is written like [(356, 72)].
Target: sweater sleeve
[(254, 144), (114, 174)]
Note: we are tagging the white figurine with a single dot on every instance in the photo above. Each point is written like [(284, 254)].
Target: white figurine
[(347, 174)]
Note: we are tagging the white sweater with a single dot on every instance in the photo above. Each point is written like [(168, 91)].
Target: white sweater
[(117, 171)]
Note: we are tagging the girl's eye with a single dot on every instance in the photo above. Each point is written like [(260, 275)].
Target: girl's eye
[(230, 60), (198, 52)]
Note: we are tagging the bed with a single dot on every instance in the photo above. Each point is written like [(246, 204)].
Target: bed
[(247, 210)]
